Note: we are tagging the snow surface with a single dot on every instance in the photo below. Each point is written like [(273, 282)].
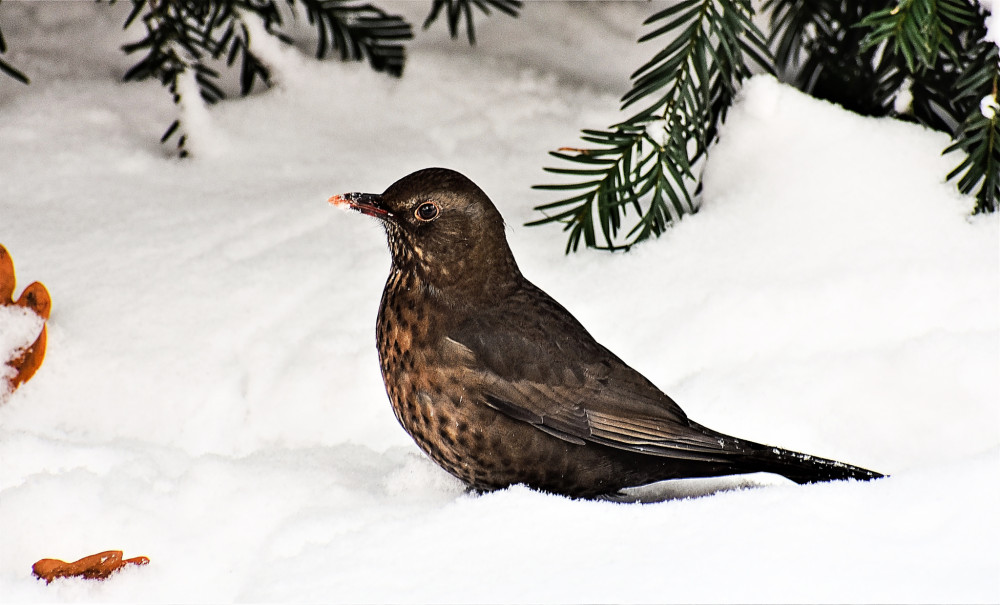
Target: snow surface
[(992, 20), (211, 396)]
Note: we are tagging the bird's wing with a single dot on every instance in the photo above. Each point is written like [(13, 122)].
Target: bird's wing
[(533, 361)]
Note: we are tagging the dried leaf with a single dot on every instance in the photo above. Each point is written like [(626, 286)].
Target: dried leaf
[(94, 567)]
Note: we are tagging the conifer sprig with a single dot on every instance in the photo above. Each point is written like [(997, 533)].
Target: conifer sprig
[(919, 30), (923, 60), (647, 163), (185, 36), (194, 35), (359, 31), (459, 11), (979, 134), (6, 67), (956, 71), (817, 48), (197, 36)]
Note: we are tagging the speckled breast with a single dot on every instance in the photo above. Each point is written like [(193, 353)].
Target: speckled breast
[(428, 402), (445, 417), (448, 419)]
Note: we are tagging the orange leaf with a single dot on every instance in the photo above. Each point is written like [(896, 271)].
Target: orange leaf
[(94, 567)]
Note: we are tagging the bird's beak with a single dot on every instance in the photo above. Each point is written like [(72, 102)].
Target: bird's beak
[(365, 203)]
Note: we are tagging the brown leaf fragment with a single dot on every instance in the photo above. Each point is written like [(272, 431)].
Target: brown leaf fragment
[(94, 567), (6, 277)]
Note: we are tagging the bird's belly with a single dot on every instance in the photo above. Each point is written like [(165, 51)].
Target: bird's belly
[(489, 450)]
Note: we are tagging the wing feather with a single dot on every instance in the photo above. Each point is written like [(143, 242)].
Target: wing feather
[(534, 362)]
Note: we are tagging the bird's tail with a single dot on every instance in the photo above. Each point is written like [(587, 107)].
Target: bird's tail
[(804, 468), (750, 457)]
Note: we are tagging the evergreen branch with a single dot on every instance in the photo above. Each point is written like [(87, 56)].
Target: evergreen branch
[(13, 72), (6, 67), (980, 172), (359, 31), (919, 30), (186, 35), (817, 49), (931, 48), (181, 35), (462, 10), (646, 163), (954, 75), (979, 134), (795, 25), (941, 96)]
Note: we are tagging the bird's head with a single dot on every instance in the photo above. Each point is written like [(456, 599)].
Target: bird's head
[(442, 228)]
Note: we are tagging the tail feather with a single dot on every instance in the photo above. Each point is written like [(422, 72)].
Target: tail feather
[(804, 468), (752, 457)]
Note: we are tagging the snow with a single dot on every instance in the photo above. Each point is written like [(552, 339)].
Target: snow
[(988, 107), (19, 327), (902, 102), (211, 398), (992, 20)]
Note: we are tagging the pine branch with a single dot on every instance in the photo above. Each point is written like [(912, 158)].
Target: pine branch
[(919, 30), (823, 49), (795, 25), (862, 54), (979, 134), (816, 47), (359, 31), (955, 77), (185, 36), (6, 67), (646, 163), (181, 37), (461, 10)]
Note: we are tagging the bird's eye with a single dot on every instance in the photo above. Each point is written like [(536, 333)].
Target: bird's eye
[(427, 211)]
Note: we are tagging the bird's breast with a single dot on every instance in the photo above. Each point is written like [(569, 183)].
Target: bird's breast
[(426, 393), (432, 386)]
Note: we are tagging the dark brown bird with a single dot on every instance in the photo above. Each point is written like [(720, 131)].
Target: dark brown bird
[(500, 385)]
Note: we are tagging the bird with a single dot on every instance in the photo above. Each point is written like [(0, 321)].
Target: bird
[(500, 385)]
